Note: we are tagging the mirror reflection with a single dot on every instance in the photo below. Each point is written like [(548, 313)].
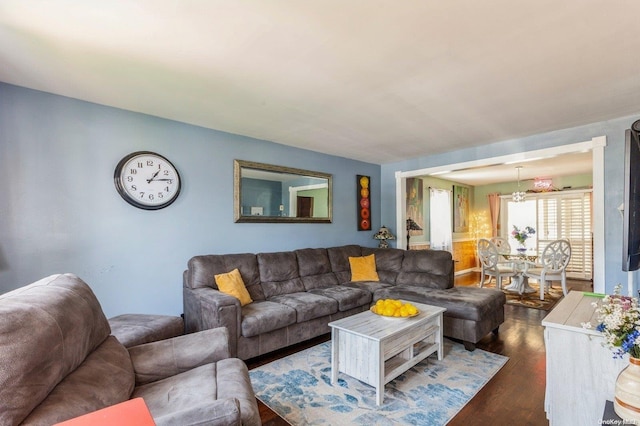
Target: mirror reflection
[(269, 193)]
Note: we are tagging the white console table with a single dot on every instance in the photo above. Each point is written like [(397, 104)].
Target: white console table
[(581, 373)]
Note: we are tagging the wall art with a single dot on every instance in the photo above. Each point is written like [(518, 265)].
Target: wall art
[(364, 202), (460, 208)]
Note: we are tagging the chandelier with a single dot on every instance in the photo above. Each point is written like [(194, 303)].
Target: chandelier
[(518, 196)]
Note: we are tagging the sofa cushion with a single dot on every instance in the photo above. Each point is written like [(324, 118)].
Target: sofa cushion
[(136, 329), (313, 261), (104, 378), (202, 270), (231, 283), (319, 281), (65, 323), (279, 273), (363, 268), (432, 271), (347, 297), (314, 268), (201, 396), (469, 303), (307, 305), (264, 316), (388, 262), (339, 258), (370, 286)]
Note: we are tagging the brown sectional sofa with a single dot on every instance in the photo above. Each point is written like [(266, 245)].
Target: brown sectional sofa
[(297, 293)]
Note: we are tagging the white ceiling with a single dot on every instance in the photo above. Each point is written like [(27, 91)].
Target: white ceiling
[(374, 80), (530, 169)]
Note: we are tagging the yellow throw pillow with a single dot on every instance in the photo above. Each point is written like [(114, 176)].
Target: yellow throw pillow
[(231, 283), (363, 268)]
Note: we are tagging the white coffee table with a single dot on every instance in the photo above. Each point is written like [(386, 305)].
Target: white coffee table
[(376, 349)]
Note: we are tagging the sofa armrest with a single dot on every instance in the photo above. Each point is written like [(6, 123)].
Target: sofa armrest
[(164, 358), (206, 308), (222, 412)]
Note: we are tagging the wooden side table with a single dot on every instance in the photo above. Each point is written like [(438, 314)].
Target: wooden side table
[(376, 349)]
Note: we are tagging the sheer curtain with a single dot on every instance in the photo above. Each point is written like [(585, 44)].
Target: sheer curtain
[(440, 226)]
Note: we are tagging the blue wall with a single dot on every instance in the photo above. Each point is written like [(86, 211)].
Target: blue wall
[(614, 177), (60, 212)]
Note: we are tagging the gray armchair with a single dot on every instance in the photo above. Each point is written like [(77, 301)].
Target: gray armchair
[(59, 361)]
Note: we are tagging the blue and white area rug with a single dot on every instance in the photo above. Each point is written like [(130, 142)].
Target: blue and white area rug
[(299, 389)]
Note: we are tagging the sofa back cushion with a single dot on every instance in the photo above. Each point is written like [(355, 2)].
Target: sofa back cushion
[(279, 273), (426, 268), (202, 270), (47, 329), (314, 268), (105, 378), (339, 258), (388, 262)]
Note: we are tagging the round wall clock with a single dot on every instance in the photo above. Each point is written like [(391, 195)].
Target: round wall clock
[(147, 180)]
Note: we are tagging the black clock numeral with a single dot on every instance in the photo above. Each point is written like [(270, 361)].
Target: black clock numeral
[(165, 172), (166, 189), (150, 163), (134, 187), (133, 171), (141, 194), (140, 164), (129, 178), (160, 195), (151, 197)]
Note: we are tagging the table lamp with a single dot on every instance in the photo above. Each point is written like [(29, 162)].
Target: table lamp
[(411, 226), (383, 235)]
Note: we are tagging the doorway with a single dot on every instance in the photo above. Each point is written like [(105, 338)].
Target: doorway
[(304, 206), (595, 145)]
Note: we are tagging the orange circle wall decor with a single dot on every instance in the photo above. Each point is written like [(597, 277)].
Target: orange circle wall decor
[(364, 202)]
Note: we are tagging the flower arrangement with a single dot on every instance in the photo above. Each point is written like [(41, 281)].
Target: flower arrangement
[(619, 322), (521, 236)]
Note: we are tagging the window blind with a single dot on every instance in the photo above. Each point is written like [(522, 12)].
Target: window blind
[(567, 216)]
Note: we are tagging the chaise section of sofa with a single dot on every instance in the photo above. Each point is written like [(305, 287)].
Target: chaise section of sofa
[(296, 294)]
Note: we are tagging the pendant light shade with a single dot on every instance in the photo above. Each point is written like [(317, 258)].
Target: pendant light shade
[(518, 196)]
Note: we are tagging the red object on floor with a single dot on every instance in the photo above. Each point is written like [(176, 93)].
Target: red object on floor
[(133, 412)]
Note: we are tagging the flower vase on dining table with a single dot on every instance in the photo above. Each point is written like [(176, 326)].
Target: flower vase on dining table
[(521, 249), (626, 403)]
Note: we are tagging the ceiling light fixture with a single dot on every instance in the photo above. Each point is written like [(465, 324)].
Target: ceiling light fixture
[(518, 196)]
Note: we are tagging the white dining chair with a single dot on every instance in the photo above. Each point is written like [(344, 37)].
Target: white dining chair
[(493, 264), (502, 244), (551, 266)]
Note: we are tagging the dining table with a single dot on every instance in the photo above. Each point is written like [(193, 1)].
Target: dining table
[(520, 282)]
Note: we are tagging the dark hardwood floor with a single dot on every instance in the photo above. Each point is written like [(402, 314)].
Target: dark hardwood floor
[(515, 395)]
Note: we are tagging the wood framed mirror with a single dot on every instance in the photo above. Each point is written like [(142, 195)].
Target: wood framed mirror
[(266, 193)]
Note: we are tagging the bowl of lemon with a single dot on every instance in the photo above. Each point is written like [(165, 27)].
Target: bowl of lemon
[(394, 308)]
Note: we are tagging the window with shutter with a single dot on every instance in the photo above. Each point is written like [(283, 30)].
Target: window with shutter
[(563, 214)]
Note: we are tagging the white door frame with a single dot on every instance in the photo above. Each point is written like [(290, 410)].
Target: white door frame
[(596, 145)]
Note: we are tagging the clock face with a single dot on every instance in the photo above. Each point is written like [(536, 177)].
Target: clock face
[(147, 180)]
